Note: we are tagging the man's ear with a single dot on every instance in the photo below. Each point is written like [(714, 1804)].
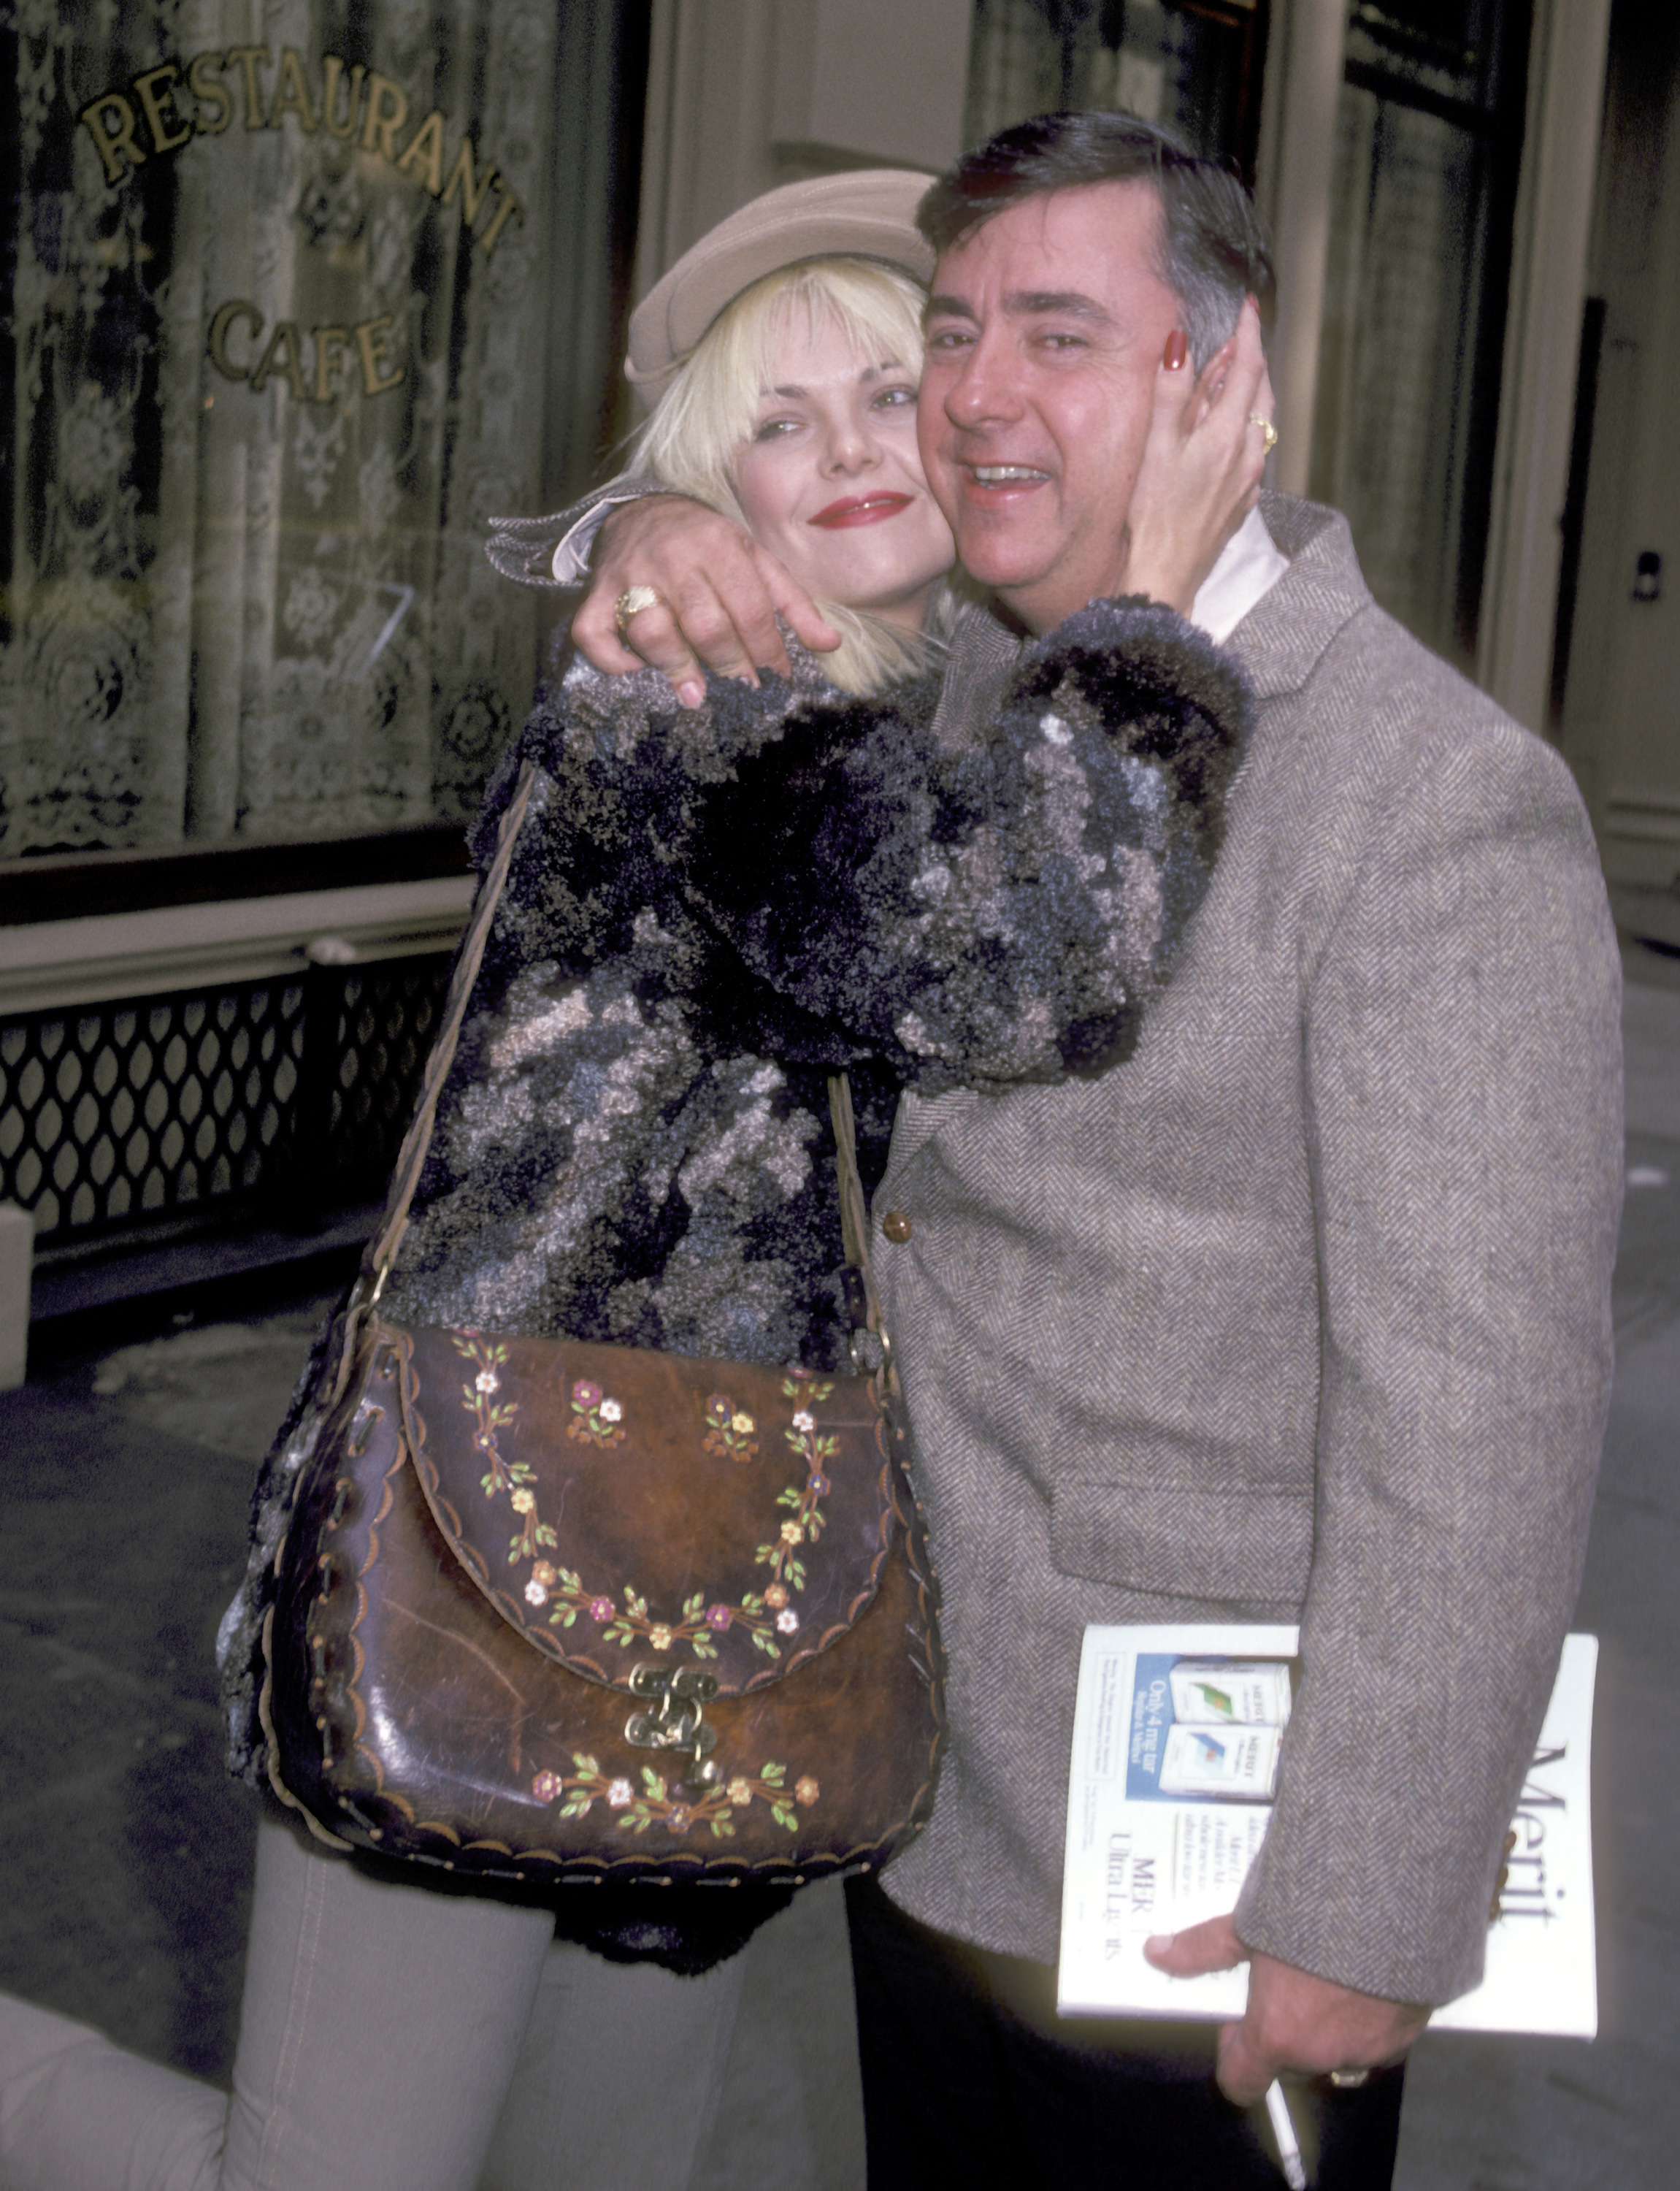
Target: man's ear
[(1210, 381)]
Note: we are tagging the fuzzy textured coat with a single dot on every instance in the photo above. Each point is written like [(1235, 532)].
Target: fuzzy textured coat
[(707, 913)]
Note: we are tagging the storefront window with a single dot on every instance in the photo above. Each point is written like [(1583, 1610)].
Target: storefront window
[(300, 296), (1429, 140), (297, 298)]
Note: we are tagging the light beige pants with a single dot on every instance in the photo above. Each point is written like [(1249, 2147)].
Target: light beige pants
[(392, 2039)]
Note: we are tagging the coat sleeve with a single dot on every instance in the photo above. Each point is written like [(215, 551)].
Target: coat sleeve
[(1000, 913), (613, 1158), (555, 550), (1462, 1065)]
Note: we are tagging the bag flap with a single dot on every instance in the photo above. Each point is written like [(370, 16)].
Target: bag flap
[(620, 1507)]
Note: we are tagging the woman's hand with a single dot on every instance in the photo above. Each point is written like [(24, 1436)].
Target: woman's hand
[(719, 596), (1202, 467)]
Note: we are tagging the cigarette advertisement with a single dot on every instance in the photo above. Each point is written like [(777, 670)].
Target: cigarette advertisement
[(1178, 1732)]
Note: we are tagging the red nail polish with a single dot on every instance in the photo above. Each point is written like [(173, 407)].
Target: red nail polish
[(1178, 349)]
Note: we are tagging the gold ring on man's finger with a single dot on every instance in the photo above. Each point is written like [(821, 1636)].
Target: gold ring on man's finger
[(1267, 427), (631, 601), (1347, 2081)]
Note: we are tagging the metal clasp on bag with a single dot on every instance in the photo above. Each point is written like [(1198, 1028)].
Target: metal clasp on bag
[(870, 1352), (866, 1340), (678, 1723)]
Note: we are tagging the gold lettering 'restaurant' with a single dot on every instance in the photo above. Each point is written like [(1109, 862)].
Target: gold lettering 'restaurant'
[(423, 158), (247, 57), (175, 105), (332, 69), (472, 194), (386, 111), (291, 94), (152, 101), (110, 121), (202, 82), (283, 358)]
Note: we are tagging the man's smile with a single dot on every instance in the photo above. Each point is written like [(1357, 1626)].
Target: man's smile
[(1005, 475)]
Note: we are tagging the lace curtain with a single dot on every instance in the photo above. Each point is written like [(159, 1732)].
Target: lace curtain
[(1429, 137), (1195, 68), (300, 295)]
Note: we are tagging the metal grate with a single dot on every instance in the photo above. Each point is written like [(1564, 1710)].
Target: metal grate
[(115, 1115), (386, 1017)]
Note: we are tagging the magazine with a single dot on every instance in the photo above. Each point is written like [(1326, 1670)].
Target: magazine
[(1178, 1733)]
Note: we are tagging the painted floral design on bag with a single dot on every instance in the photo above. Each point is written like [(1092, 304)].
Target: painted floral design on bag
[(597, 1419), (654, 1804), (699, 1626), (729, 1429), (805, 1520), (491, 1416)]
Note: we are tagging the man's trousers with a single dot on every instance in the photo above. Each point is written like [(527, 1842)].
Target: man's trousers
[(969, 2077)]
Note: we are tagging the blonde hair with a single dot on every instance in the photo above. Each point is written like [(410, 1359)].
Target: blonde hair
[(707, 414)]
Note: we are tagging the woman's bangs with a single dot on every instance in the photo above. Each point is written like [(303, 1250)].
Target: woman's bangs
[(877, 313)]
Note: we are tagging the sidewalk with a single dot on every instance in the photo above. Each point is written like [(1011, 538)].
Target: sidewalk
[(1505, 2115)]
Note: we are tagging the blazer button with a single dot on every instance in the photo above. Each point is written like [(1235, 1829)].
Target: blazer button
[(897, 1227)]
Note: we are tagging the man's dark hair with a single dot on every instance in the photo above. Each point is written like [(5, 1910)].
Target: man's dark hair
[(1213, 249)]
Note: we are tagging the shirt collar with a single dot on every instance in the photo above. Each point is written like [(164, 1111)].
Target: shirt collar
[(1249, 565)]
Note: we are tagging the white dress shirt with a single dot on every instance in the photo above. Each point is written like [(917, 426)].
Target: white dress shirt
[(1250, 564)]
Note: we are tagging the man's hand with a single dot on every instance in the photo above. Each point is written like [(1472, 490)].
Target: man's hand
[(1201, 469), (721, 593), (1294, 2020)]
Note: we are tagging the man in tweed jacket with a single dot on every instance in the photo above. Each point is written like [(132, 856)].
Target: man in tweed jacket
[(1304, 1312)]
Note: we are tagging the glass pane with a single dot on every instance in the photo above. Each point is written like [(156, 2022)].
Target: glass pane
[(289, 320), (1195, 68), (1428, 139)]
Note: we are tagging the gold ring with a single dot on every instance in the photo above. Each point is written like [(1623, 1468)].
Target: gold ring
[(631, 601), (1349, 2081), (1267, 427)]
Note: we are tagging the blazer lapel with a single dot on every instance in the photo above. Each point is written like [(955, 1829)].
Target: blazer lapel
[(1280, 640)]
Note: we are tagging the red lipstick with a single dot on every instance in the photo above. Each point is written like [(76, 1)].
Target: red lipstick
[(859, 509)]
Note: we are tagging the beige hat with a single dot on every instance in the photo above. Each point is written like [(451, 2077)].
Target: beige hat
[(870, 213)]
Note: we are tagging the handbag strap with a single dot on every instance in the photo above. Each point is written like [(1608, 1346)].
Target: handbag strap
[(380, 1251), (863, 1303)]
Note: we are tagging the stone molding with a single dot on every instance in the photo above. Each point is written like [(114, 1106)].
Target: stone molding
[(60, 964)]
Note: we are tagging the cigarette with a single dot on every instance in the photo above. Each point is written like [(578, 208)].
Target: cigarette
[(1288, 2146)]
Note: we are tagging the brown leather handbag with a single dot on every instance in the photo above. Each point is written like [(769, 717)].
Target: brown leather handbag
[(554, 1611)]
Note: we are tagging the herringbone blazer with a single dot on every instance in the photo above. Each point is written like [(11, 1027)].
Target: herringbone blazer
[(1302, 1311)]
